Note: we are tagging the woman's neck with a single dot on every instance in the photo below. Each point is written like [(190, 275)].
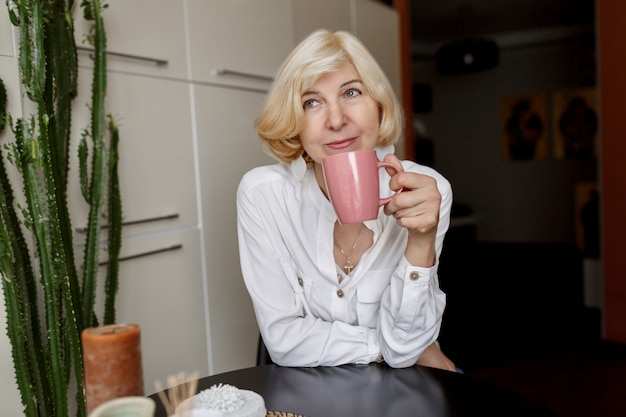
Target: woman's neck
[(319, 176)]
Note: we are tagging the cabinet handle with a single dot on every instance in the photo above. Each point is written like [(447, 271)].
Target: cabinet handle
[(148, 253), (157, 61), (244, 75), (83, 229)]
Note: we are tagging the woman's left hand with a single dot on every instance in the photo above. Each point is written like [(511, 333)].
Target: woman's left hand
[(417, 206)]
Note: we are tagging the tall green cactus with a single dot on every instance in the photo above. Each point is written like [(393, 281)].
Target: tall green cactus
[(47, 352)]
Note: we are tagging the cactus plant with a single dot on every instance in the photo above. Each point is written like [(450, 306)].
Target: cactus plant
[(46, 348)]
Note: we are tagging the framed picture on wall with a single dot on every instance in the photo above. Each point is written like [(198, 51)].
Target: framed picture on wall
[(575, 123), (524, 127)]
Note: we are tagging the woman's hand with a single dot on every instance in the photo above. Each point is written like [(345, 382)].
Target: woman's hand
[(433, 357), (417, 209)]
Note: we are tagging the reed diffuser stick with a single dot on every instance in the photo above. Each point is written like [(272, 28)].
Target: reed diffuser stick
[(179, 388)]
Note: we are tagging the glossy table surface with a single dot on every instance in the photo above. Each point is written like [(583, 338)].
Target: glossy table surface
[(373, 390)]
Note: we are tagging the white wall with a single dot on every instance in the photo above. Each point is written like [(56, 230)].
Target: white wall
[(530, 201)]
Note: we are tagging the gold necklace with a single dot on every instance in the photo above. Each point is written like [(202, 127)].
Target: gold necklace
[(348, 267)]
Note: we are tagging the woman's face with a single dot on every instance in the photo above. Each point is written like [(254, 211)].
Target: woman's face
[(339, 115)]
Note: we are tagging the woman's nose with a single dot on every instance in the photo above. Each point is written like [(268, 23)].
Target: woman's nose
[(336, 117)]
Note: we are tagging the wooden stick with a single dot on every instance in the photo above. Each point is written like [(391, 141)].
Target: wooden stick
[(181, 387)]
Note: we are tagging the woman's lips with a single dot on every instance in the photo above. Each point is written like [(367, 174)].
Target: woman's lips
[(341, 144)]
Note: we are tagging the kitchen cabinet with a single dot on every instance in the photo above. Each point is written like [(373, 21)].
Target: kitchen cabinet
[(227, 148), (161, 288), (309, 16), (162, 285), (238, 43), (143, 37), (156, 165)]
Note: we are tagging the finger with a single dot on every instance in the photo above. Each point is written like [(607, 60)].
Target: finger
[(416, 209), (414, 181), (393, 159), (423, 223)]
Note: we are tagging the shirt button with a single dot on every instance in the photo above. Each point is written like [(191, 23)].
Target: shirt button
[(414, 276), (380, 359), (300, 281), (340, 293)]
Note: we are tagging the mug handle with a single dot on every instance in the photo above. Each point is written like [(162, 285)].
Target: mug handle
[(385, 200)]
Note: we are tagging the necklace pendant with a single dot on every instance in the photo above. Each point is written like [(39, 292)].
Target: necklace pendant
[(348, 268)]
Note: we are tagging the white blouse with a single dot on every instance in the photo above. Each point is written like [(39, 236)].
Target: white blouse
[(384, 308)]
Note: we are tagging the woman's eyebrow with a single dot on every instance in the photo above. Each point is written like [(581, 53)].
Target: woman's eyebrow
[(356, 80), (313, 92)]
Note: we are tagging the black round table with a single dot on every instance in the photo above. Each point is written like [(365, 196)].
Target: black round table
[(375, 390)]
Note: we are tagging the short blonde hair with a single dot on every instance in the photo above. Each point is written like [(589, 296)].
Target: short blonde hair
[(279, 122)]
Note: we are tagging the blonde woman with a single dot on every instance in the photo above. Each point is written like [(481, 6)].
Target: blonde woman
[(326, 293)]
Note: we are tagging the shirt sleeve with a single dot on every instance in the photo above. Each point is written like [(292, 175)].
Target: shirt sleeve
[(412, 307)]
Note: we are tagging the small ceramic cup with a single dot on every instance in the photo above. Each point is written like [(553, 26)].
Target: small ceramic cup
[(125, 407)]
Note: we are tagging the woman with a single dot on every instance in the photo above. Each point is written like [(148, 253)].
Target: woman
[(326, 293)]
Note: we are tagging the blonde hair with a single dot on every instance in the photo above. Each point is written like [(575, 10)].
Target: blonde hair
[(279, 122)]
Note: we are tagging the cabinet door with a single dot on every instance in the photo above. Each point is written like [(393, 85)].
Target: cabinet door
[(227, 147), (309, 15), (239, 43), (161, 288), (140, 35), (156, 162)]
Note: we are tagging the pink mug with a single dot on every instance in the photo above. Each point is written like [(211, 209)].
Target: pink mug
[(353, 186)]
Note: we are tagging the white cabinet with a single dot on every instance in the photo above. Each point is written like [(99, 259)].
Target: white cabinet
[(309, 16), (161, 276), (227, 147), (238, 42), (161, 288), (156, 166), (140, 34)]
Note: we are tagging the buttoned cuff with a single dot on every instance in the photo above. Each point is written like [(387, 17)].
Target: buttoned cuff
[(416, 274)]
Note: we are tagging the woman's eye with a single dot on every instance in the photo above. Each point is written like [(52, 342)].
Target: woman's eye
[(309, 104), (352, 93)]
